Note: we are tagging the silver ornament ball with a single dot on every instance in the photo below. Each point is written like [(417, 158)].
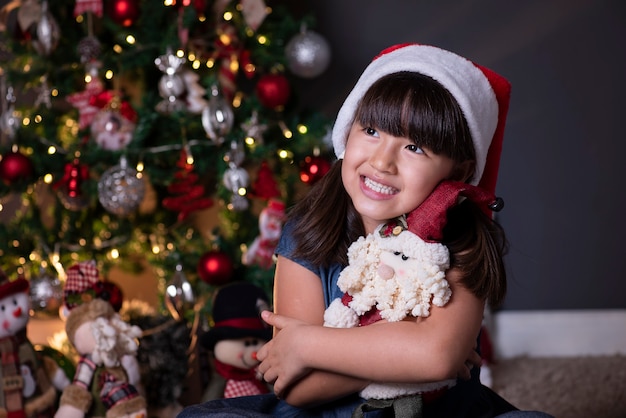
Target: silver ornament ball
[(46, 294), (120, 191), (308, 54)]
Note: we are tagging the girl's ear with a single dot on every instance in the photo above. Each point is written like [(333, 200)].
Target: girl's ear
[(464, 171)]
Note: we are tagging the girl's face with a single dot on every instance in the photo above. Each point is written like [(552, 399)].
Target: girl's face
[(388, 176)]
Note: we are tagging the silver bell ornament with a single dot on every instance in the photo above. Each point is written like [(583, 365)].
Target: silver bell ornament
[(120, 190), (46, 32), (217, 117), (308, 54), (179, 296)]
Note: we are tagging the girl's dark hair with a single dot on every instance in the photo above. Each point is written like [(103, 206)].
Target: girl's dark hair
[(412, 105)]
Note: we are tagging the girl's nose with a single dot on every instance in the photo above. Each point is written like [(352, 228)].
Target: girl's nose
[(384, 158)]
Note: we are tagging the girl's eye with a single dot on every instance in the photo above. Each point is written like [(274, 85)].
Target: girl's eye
[(414, 148), (370, 131)]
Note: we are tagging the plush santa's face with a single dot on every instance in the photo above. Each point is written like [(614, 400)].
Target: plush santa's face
[(14, 310), (84, 340), (239, 352), (395, 263)]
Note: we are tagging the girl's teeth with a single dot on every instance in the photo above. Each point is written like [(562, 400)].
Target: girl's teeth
[(379, 188)]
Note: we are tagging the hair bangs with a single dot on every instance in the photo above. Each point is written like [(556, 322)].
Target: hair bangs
[(412, 105)]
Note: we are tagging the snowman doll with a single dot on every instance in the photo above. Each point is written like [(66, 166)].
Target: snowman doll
[(106, 383), (234, 339), (29, 383)]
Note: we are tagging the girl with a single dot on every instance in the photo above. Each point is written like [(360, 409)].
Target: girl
[(418, 115)]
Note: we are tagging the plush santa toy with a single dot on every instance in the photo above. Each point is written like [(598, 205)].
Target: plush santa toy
[(234, 339), (399, 271), (261, 251), (106, 383), (28, 381)]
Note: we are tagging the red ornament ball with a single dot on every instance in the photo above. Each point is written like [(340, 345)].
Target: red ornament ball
[(215, 268), (123, 12), (15, 167), (273, 90), (313, 168)]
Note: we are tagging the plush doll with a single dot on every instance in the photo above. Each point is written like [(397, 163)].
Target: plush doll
[(29, 382), (261, 251), (236, 335), (399, 271), (106, 383)]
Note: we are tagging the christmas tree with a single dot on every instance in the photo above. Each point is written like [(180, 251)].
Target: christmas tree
[(126, 123), (124, 120)]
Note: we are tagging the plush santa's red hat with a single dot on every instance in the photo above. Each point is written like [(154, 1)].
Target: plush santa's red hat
[(428, 219), (420, 234), (83, 284), (482, 95)]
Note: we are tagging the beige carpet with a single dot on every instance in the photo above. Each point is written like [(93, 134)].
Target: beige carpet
[(577, 387)]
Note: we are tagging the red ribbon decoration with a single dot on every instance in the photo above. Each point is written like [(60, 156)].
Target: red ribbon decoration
[(108, 98)]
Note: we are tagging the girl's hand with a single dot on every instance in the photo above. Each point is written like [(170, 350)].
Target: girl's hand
[(281, 362)]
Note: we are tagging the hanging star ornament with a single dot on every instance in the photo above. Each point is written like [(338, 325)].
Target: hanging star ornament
[(44, 95), (254, 129)]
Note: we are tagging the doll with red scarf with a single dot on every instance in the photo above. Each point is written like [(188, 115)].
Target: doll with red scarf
[(234, 338)]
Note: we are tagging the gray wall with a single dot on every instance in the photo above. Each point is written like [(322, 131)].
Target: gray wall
[(564, 143)]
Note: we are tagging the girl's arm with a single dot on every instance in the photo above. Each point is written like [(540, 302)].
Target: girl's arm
[(298, 295), (345, 360)]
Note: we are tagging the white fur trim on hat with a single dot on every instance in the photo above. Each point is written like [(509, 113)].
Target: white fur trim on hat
[(466, 82)]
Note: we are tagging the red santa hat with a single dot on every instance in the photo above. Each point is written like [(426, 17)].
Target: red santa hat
[(482, 95)]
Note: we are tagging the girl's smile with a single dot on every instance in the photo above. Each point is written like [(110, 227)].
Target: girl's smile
[(370, 185)]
